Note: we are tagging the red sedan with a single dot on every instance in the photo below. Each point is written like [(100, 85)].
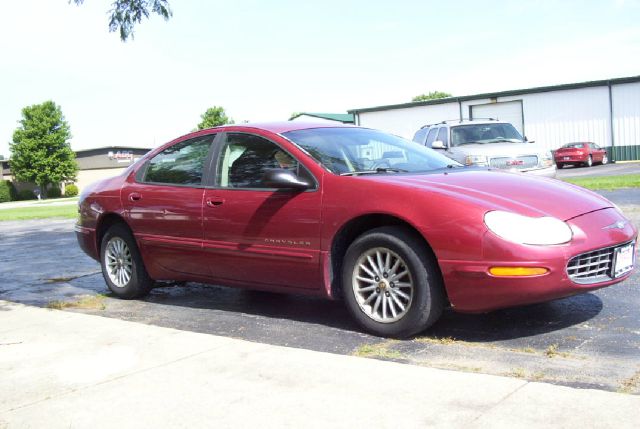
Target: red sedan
[(395, 229), (585, 154)]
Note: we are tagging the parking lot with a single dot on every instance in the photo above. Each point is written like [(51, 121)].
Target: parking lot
[(599, 170), (590, 340)]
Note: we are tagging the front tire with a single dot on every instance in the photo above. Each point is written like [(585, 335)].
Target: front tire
[(391, 284), (122, 266), (605, 159)]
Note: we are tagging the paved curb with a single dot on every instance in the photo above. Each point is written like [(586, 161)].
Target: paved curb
[(64, 369)]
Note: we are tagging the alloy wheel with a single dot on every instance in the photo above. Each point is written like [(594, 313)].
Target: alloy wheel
[(118, 260), (382, 285)]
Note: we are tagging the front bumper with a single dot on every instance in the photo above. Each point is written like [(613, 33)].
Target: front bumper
[(471, 288), (87, 241)]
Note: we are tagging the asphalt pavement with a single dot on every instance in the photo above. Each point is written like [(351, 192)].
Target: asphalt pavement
[(590, 340), (599, 170)]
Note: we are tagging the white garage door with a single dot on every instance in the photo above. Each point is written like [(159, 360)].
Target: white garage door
[(509, 111)]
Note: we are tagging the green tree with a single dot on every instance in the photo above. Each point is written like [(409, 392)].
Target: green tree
[(213, 117), (125, 14), (433, 95), (40, 151)]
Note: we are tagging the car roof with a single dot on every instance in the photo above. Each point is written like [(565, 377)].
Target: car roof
[(285, 126), (456, 122), (274, 127)]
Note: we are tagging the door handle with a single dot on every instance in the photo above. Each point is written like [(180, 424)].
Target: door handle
[(134, 196), (214, 201)]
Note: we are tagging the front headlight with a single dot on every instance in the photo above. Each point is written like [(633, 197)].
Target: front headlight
[(528, 230), (480, 160)]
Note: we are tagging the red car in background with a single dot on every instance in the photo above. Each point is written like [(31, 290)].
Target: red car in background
[(397, 230), (585, 154)]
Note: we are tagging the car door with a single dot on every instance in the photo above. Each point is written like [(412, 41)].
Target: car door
[(255, 234), (163, 203)]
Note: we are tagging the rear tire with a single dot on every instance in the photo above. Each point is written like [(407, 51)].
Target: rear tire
[(559, 165), (589, 162), (391, 284), (122, 266)]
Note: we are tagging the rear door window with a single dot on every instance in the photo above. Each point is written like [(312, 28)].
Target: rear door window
[(420, 135), (181, 164)]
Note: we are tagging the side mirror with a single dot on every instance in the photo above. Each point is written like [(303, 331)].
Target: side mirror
[(281, 178), (528, 141), (438, 144)]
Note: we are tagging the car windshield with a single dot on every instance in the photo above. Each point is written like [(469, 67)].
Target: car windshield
[(484, 133), (360, 151), (574, 145)]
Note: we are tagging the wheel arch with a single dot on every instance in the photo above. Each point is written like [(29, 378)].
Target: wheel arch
[(106, 221), (358, 226)]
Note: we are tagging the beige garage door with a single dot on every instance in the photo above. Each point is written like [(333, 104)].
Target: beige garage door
[(509, 111)]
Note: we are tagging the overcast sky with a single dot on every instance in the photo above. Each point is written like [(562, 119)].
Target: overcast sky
[(263, 60)]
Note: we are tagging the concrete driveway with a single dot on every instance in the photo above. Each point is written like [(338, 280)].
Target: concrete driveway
[(590, 340)]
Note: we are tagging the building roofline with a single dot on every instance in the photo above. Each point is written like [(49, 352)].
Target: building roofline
[(112, 148), (102, 148), (566, 86)]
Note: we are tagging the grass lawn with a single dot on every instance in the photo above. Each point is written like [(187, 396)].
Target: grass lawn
[(69, 211), (607, 183)]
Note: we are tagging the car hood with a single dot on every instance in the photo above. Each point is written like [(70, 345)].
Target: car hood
[(499, 149), (499, 190)]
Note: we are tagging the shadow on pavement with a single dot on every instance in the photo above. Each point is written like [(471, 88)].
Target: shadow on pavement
[(518, 322), (504, 324)]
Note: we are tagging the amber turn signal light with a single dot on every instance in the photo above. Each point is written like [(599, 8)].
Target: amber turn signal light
[(517, 271)]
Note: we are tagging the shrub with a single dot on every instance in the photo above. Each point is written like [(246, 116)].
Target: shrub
[(54, 192), (7, 191), (13, 190), (70, 190), (26, 194)]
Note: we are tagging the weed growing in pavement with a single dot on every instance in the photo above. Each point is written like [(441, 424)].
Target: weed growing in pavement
[(380, 350), (630, 384), (60, 279), (516, 372), (552, 351), (89, 302)]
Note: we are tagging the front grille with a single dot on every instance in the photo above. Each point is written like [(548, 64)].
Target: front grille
[(591, 267), (518, 163)]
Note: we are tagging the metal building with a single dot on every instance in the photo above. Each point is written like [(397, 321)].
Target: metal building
[(606, 112)]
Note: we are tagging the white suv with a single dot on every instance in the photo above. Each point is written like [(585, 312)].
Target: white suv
[(487, 143)]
